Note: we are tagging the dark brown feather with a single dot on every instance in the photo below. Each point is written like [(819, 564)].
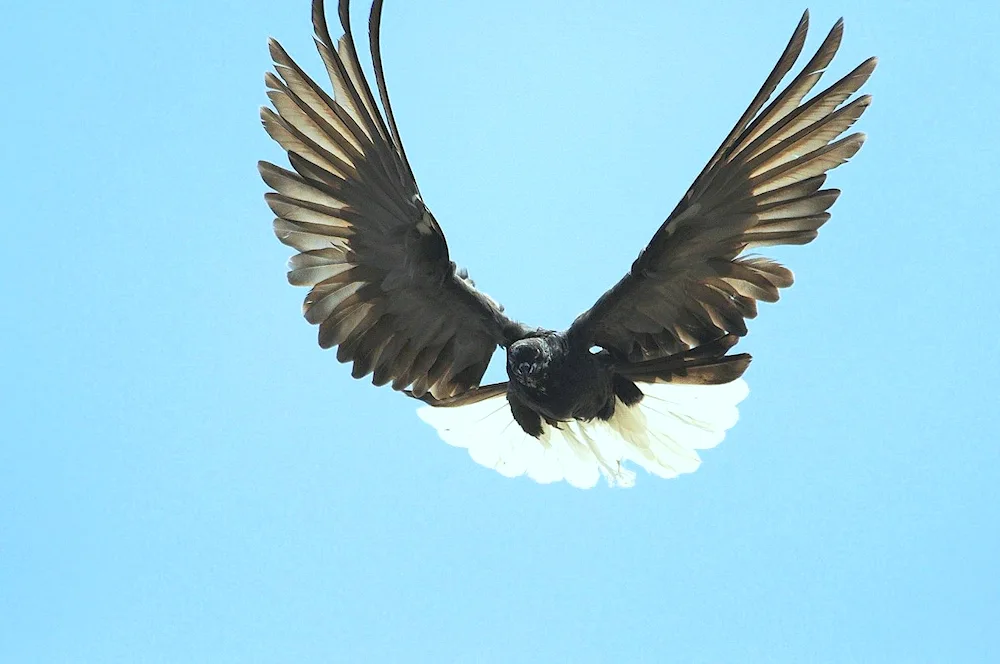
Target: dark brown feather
[(383, 287), (470, 396), (760, 188), (706, 365)]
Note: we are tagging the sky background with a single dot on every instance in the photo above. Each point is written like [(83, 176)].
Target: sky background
[(186, 477)]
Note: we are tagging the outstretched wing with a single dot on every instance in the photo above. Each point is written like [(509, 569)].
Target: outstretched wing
[(694, 282), (383, 288)]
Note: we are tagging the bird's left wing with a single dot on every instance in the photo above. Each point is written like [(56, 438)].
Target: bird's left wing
[(694, 282), (383, 288)]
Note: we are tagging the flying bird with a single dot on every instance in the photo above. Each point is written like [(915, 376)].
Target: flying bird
[(645, 377)]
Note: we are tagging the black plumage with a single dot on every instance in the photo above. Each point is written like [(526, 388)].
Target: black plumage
[(384, 290)]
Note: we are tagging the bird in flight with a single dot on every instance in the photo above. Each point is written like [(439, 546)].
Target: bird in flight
[(644, 378)]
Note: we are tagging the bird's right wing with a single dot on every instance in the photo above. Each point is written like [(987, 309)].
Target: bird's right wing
[(383, 288), (694, 283)]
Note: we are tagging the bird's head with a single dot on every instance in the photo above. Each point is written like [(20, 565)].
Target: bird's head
[(528, 361)]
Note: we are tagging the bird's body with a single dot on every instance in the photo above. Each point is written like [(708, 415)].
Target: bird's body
[(551, 380), (645, 375)]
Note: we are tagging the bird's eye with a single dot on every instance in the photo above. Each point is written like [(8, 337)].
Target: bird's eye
[(594, 350)]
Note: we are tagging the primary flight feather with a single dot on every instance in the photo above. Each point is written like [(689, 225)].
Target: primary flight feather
[(662, 385)]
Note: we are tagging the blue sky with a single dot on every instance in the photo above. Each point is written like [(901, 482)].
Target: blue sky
[(186, 477)]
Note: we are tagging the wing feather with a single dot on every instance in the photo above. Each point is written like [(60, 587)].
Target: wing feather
[(762, 187), (382, 286)]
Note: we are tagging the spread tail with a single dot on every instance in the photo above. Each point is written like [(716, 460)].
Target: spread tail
[(688, 402)]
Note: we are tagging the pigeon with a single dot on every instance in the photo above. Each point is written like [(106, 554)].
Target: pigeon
[(643, 379)]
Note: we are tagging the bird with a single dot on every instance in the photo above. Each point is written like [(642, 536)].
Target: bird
[(645, 378)]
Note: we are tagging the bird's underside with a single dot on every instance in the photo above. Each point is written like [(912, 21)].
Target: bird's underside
[(384, 291)]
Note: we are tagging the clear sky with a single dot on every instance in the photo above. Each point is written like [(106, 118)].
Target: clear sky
[(186, 477)]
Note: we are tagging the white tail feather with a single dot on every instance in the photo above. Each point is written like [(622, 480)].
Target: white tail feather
[(660, 434)]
